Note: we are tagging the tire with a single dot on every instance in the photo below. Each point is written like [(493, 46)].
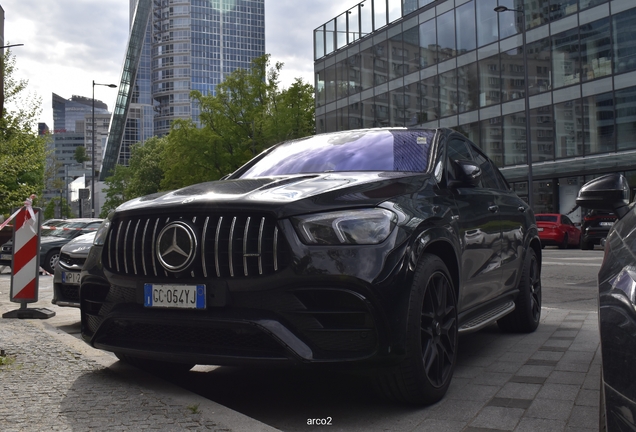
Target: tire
[(425, 373), (527, 314), (155, 365), (586, 245), (51, 260), (564, 243)]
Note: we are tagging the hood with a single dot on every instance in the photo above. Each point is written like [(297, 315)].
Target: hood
[(288, 195), (80, 244)]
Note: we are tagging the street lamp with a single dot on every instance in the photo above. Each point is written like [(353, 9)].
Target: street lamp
[(93, 148), (499, 9)]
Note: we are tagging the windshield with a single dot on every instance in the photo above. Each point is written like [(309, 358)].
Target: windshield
[(71, 229), (384, 150), (545, 218), (51, 223)]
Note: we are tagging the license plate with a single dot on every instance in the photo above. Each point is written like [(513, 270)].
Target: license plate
[(72, 278), (539, 229), (174, 296), (5, 257), (606, 224)]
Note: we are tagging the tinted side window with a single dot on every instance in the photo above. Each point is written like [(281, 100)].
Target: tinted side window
[(488, 175)]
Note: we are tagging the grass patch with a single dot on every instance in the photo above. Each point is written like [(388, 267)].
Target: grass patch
[(194, 409), (6, 360)]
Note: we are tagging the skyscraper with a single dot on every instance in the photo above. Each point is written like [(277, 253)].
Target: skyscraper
[(177, 46)]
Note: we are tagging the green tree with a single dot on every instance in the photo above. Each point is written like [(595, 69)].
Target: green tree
[(80, 154), (248, 114), (116, 189), (52, 209), (22, 150), (146, 165)]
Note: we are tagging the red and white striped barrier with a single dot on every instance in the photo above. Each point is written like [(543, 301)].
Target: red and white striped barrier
[(51, 227), (26, 262), (26, 247)]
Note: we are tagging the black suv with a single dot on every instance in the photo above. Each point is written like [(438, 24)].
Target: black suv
[(359, 248), (596, 225)]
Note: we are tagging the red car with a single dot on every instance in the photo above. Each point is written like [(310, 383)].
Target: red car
[(558, 230)]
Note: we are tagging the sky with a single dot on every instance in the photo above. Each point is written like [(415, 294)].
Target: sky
[(70, 43)]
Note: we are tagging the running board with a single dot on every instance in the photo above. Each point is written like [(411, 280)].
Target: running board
[(488, 318)]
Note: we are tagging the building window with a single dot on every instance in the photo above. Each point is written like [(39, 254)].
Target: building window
[(446, 35), (428, 43), (598, 123), (596, 50), (565, 58), (542, 134), (565, 124), (626, 118), (466, 36), (487, 27), (624, 35), (515, 146), (489, 81), (491, 137), (467, 88)]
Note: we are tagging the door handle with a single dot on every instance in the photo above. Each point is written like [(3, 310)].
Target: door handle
[(493, 208), (522, 209)]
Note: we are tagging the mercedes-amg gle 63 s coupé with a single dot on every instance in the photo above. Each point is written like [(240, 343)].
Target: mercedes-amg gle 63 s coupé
[(369, 247)]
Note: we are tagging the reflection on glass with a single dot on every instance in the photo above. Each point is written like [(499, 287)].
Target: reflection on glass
[(428, 43), (428, 91), (466, 36), (539, 67), (491, 140), (515, 146), (487, 29), (565, 58), (562, 8), (381, 110), (366, 69), (624, 37), (536, 12), (512, 75), (446, 35), (542, 133), (448, 93), (397, 55), (467, 88), (489, 81), (626, 119), (355, 151), (566, 124), (596, 50), (598, 123)]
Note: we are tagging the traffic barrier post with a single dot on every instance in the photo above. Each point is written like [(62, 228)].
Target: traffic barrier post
[(26, 263)]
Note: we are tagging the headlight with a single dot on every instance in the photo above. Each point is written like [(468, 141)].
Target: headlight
[(102, 231), (362, 227)]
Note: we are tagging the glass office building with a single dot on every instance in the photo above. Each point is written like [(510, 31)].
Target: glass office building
[(460, 64), (177, 46)]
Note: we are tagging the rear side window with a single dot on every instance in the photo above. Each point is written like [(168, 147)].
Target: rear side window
[(488, 174)]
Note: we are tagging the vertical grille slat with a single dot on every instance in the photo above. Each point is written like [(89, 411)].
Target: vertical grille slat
[(253, 246), (247, 229), (203, 237), (143, 247), (229, 248)]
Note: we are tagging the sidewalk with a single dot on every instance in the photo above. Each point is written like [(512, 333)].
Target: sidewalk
[(57, 382), (544, 381)]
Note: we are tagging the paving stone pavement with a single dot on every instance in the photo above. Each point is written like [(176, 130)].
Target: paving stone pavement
[(544, 381), (53, 381)]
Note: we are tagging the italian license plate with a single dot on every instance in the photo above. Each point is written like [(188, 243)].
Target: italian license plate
[(174, 296), (539, 229), (5, 257), (72, 278)]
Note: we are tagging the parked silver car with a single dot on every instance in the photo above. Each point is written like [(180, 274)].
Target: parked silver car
[(66, 281)]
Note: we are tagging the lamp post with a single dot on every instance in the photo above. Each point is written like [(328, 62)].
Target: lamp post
[(499, 9), (93, 148)]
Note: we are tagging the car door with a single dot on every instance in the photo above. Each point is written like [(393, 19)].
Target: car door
[(479, 229)]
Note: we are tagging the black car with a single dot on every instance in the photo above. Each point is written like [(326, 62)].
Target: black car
[(55, 234), (616, 302), (347, 248), (595, 227)]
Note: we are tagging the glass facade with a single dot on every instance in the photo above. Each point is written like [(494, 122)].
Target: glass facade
[(185, 45), (460, 64)]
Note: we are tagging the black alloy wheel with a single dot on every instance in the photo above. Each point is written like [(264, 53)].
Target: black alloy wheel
[(527, 314), (424, 375)]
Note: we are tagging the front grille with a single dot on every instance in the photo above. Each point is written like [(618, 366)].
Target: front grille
[(70, 262), (70, 293), (228, 245)]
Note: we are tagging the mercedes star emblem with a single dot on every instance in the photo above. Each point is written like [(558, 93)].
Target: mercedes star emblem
[(176, 246)]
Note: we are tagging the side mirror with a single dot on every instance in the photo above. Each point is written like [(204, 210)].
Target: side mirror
[(469, 171), (609, 192)]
